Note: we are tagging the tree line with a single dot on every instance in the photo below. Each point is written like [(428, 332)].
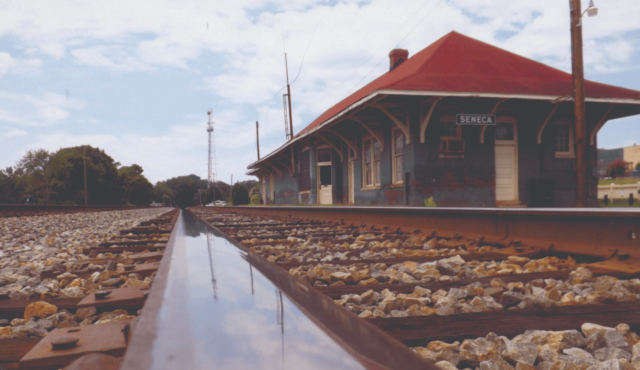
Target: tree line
[(43, 177), (184, 191)]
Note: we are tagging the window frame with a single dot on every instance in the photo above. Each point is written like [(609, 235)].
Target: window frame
[(394, 155), (375, 164), (568, 154), (449, 118)]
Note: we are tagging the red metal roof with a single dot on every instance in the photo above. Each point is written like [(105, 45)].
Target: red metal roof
[(457, 63)]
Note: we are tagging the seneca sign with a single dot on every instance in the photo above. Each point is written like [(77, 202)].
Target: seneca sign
[(475, 119)]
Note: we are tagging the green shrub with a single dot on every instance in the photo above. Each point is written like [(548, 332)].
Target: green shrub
[(240, 195), (255, 200)]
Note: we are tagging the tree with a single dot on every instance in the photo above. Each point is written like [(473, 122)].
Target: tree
[(617, 168), (183, 189), (135, 187), (9, 193), (162, 193), (67, 176), (212, 194), (240, 195), (34, 165)]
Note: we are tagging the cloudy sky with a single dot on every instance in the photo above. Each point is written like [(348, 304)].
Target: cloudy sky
[(136, 77)]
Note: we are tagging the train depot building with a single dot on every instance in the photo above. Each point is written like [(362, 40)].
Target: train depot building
[(461, 123)]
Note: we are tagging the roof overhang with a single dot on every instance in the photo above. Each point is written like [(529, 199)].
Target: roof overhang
[(387, 92)]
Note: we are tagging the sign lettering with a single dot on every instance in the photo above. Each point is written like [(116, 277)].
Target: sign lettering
[(475, 119)]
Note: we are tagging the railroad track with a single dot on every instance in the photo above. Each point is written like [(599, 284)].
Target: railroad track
[(390, 288), (49, 332), (465, 298)]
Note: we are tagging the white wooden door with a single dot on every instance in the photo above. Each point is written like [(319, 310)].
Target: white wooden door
[(506, 177), (506, 156), (352, 196), (325, 194), (324, 182)]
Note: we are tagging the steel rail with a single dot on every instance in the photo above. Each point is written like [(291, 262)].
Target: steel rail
[(367, 344), (593, 232)]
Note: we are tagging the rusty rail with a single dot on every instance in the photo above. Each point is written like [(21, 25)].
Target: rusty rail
[(603, 241)]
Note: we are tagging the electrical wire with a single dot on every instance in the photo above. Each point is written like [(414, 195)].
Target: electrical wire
[(308, 45), (391, 36), (381, 60), (303, 57)]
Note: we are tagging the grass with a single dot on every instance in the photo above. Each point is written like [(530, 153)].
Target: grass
[(619, 203), (618, 181)]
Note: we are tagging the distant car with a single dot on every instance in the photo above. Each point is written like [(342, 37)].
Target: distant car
[(217, 203)]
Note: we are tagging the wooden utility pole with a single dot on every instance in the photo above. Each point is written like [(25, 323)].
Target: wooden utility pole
[(582, 180), (258, 140), (84, 159), (289, 99)]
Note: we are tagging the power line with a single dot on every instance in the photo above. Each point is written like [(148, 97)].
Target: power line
[(303, 57), (407, 35), (305, 52), (392, 35)]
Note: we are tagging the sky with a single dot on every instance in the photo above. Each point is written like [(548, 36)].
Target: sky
[(136, 77)]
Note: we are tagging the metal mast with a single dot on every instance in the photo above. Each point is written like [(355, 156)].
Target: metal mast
[(212, 152), (286, 102)]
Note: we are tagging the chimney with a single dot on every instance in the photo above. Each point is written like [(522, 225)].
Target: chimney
[(397, 56)]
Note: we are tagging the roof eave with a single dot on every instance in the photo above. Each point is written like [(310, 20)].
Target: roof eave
[(374, 94)]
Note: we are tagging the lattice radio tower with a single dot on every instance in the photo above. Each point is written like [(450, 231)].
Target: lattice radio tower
[(212, 153)]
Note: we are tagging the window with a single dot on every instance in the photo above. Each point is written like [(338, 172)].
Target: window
[(564, 139), (398, 151), (451, 143), (505, 131), (305, 175), (371, 162), (449, 129)]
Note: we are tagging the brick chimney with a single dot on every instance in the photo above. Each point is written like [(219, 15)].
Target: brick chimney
[(397, 56)]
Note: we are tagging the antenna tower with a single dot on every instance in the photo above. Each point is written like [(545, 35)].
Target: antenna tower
[(212, 152)]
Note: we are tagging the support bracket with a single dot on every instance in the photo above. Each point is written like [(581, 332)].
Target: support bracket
[(284, 163), (542, 125), (349, 142), (339, 150), (375, 133), (404, 126), (598, 126), (424, 121), (483, 128), (276, 169)]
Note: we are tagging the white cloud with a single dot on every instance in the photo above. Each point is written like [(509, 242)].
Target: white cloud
[(161, 156), (13, 132), (27, 110), (237, 48), (8, 63), (110, 57)]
